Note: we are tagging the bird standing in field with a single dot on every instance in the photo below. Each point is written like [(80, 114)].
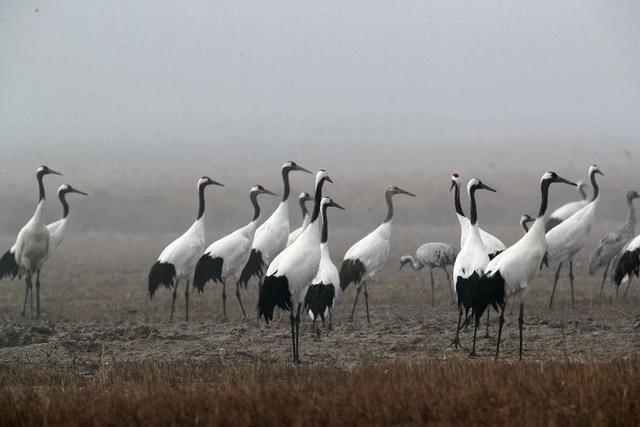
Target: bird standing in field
[(566, 239), (568, 209), (306, 219), (32, 247), (509, 274), (610, 246), (177, 261), (493, 244), (628, 264), (290, 274), (226, 257), (432, 255), (365, 258), (470, 262), (271, 237)]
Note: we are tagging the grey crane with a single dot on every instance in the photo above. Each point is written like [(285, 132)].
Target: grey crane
[(433, 255)]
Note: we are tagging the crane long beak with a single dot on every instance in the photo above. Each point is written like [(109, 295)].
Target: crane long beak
[(300, 168), (265, 191), (599, 172), (329, 179), (401, 191), (217, 183), (79, 192), (335, 205), (486, 187), (51, 171), (565, 181)]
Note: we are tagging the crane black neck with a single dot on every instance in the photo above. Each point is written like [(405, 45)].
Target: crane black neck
[(631, 216), (325, 225), (201, 200), (256, 207), (594, 184), (303, 207), (388, 196), (317, 200), (63, 201), (39, 177), (544, 194), (473, 217), (285, 181), (456, 199)]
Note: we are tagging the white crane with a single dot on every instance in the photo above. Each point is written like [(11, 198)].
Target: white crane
[(432, 255), (628, 263), (365, 258), (493, 244), (286, 282), (610, 246), (321, 295), (568, 209), (177, 261), (509, 274), (226, 257), (470, 262), (306, 219), (271, 237), (566, 239), (31, 248)]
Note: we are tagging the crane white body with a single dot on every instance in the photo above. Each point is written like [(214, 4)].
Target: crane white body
[(568, 209)]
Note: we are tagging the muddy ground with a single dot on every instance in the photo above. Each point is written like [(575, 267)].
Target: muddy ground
[(88, 324)]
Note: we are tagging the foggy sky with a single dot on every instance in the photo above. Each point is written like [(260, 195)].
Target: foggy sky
[(188, 86)]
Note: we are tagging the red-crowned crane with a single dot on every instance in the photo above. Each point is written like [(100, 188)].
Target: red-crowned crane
[(610, 246), (288, 277), (432, 255), (226, 257), (470, 262), (177, 261), (508, 275), (365, 258), (32, 246), (271, 237), (306, 218), (566, 239)]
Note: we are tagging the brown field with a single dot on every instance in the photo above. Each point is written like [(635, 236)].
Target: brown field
[(103, 354)]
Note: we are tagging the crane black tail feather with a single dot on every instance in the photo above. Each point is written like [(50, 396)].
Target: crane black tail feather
[(207, 268), (8, 265), (628, 264), (274, 292), (319, 298), (351, 270), (161, 273), (253, 267)]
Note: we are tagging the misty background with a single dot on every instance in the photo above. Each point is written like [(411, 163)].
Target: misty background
[(133, 101)]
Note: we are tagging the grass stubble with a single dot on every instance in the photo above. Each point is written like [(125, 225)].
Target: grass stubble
[(401, 392)]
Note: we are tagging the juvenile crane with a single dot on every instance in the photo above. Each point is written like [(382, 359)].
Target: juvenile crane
[(610, 246), (365, 258), (508, 274), (493, 245), (306, 219), (286, 282), (432, 255), (177, 261), (568, 209), (470, 262), (566, 239), (271, 237), (226, 257), (32, 247)]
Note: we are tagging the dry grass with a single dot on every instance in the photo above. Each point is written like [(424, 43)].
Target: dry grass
[(428, 391)]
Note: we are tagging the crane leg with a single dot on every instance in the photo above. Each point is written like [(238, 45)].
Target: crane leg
[(331, 319), (432, 294), (627, 288), (475, 332), (298, 334), (224, 299), (26, 297), (356, 301), (453, 299), (173, 300), (604, 278), (486, 332), (571, 281), (555, 283), (456, 339), (521, 324), (37, 294), (366, 301), (293, 334), (186, 301), (244, 315), (501, 323)]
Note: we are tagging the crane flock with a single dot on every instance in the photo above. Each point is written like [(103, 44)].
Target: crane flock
[(300, 274)]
